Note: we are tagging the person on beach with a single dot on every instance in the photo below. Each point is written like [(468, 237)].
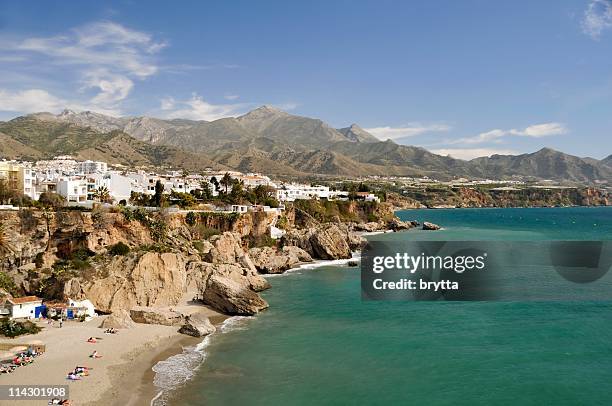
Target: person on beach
[(91, 340), (95, 355), (61, 322)]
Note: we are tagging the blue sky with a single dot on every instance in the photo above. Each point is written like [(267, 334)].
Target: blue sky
[(465, 78)]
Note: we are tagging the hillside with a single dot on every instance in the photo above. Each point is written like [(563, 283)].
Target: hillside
[(544, 164), (271, 141), (32, 138)]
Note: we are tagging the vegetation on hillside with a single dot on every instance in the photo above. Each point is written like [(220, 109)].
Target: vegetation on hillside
[(13, 328)]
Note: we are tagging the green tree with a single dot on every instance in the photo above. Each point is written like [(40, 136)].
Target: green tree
[(51, 200), (237, 194), (158, 197), (215, 183), (226, 181), (102, 195)]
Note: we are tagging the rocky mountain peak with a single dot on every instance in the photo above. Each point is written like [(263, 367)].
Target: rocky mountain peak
[(264, 111)]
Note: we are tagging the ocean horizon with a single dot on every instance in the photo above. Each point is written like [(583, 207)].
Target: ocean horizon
[(319, 343)]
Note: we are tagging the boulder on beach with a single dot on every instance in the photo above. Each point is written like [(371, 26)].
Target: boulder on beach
[(197, 325), (430, 226), (325, 241), (152, 315), (120, 319), (230, 296)]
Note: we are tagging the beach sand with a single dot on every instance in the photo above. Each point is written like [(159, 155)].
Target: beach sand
[(122, 376)]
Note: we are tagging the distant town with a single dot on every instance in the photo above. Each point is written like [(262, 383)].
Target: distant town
[(84, 183)]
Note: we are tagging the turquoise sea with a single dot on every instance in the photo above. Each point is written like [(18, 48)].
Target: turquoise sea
[(319, 344)]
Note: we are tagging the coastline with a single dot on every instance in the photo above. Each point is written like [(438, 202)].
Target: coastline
[(148, 387), (124, 356)]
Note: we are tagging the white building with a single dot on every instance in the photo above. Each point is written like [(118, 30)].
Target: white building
[(90, 167), (119, 186), (292, 192), (367, 196), (252, 180), (73, 189), (82, 307), (55, 168), (28, 307)]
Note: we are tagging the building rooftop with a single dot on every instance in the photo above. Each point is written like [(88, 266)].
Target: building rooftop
[(25, 299)]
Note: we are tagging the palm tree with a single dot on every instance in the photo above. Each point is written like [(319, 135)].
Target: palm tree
[(226, 181), (102, 194)]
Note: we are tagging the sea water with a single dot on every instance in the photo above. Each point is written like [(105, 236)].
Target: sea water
[(319, 343)]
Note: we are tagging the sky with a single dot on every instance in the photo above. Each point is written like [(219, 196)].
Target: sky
[(465, 78)]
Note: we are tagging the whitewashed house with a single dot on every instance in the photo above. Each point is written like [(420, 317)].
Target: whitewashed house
[(27, 307), (90, 167), (78, 308), (73, 189), (292, 192)]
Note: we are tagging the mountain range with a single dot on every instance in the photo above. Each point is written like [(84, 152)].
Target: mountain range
[(271, 141)]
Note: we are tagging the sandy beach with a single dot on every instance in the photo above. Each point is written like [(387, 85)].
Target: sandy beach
[(124, 372), (67, 347)]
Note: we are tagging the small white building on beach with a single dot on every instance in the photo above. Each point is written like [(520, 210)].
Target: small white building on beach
[(27, 307)]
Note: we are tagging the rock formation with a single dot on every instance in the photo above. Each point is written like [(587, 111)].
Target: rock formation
[(272, 260), (325, 241), (430, 226), (197, 325), (120, 319), (229, 296), (150, 315)]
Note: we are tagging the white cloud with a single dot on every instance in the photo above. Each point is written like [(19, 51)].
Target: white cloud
[(597, 18), (471, 153), (231, 97), (104, 56), (29, 101), (534, 131), (100, 44), (393, 133), (541, 130), (112, 87), (197, 108)]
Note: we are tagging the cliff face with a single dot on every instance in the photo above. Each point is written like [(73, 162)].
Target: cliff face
[(128, 259), (529, 197)]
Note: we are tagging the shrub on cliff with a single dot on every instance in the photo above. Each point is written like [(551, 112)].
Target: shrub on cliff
[(52, 200), (119, 249), (7, 284)]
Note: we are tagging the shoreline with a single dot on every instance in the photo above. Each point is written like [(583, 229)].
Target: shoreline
[(123, 355), (226, 325)]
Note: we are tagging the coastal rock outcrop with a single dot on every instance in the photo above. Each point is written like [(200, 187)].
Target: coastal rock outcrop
[(230, 296), (398, 225), (197, 325), (430, 226), (152, 279), (272, 260), (152, 315), (120, 319), (368, 227), (325, 241)]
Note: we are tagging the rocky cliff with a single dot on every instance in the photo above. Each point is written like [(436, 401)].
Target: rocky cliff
[(504, 197), (124, 259)]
